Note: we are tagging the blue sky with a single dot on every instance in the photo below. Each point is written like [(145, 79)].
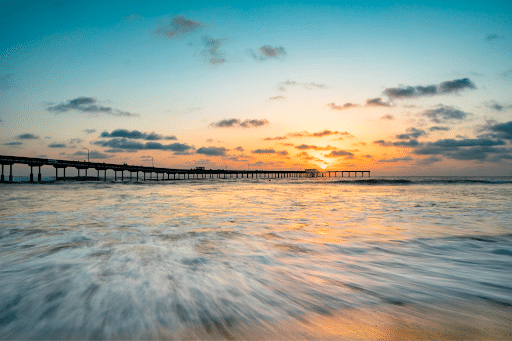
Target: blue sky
[(71, 71)]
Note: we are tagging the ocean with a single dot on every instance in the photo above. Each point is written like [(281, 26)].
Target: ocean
[(376, 258)]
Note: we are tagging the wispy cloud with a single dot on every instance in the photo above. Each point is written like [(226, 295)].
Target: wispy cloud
[(388, 117), (178, 27), (93, 154), (135, 134), (14, 144), (87, 105), (345, 106), (276, 98), (268, 52), (212, 151), (411, 133), (5, 81), (447, 87), (497, 106), (235, 122), (397, 159), (212, 50), (307, 146), (264, 151), (310, 86), (89, 131), (492, 36)]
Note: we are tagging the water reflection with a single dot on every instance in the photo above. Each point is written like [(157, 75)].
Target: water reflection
[(254, 260)]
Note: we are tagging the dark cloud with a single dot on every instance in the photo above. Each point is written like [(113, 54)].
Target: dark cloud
[(411, 133), (93, 154), (87, 105), (282, 152), (429, 160), (123, 143), (13, 144), (501, 130), (338, 153), (333, 106), (89, 131), (276, 98), (239, 148), (27, 137), (408, 144), (387, 117), (212, 151), (268, 52), (438, 128), (376, 102), (447, 87), (135, 134), (57, 145), (178, 27), (465, 149), (235, 122), (444, 113), (72, 141), (264, 151)]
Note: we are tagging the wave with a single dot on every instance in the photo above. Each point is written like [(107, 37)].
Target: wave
[(424, 181)]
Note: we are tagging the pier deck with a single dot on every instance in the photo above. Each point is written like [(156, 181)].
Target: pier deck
[(176, 173)]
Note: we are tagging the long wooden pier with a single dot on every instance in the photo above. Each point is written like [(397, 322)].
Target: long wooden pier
[(148, 172)]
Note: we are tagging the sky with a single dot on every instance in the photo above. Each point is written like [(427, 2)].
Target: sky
[(396, 88)]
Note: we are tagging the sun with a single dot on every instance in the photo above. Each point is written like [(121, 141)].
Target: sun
[(323, 166)]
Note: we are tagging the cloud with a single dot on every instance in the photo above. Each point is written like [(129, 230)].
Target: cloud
[(306, 146), (491, 37), (276, 98), (212, 50), (135, 134), (444, 113), (411, 133), (480, 149), (345, 106), (5, 82), (497, 106), (397, 159), (447, 87), (212, 151), (123, 143), (57, 145), (338, 153), (27, 137), (438, 128), (506, 74), (179, 26), (376, 102), (264, 151), (318, 134), (388, 117), (501, 130), (13, 144), (311, 85), (72, 141), (93, 154), (239, 148), (275, 138), (87, 105), (89, 131), (407, 144), (268, 52), (235, 122)]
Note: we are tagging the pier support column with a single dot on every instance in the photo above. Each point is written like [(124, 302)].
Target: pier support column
[(64, 171), (56, 174), (115, 175), (137, 176), (31, 175), (105, 175), (39, 175), (144, 176), (2, 178), (10, 172), (122, 175)]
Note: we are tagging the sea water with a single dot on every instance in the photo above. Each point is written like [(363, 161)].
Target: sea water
[(326, 258)]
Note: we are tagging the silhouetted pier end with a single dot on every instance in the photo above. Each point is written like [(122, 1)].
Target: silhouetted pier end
[(177, 174)]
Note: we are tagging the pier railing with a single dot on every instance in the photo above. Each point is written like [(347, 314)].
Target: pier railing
[(197, 173)]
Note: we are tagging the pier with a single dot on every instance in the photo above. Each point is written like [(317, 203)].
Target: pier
[(139, 173)]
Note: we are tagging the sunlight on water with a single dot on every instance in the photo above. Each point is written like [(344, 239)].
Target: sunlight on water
[(256, 259)]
